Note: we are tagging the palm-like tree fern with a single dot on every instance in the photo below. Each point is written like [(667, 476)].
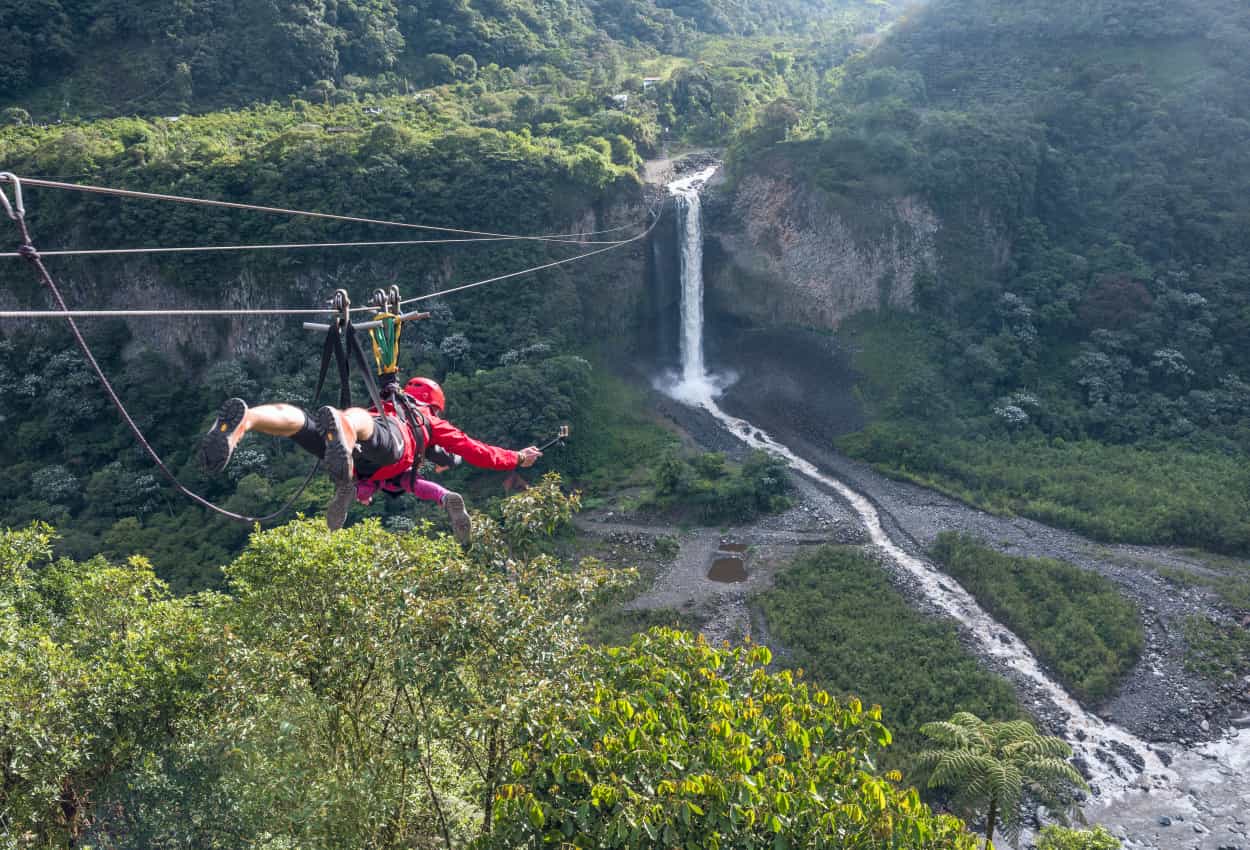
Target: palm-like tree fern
[(992, 765)]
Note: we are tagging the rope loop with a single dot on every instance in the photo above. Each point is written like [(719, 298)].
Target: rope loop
[(28, 252), (17, 210)]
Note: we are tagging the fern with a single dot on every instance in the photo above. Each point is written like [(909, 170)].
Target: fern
[(991, 766)]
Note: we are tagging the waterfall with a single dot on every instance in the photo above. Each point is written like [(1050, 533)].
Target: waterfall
[(692, 385), (1113, 756)]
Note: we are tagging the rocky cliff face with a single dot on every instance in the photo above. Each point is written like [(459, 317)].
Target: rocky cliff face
[(780, 252)]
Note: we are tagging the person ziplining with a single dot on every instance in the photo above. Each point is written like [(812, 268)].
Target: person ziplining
[(364, 450), (381, 447)]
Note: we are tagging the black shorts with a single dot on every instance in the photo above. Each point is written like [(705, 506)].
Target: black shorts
[(385, 447)]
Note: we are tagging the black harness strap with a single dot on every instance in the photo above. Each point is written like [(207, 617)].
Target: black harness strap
[(357, 353), (333, 348)]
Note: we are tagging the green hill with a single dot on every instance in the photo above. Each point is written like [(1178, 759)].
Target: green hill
[(68, 58), (1090, 165)]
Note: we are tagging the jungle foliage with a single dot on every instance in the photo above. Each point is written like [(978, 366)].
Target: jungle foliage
[(372, 689), (147, 56), (845, 625), (1074, 620)]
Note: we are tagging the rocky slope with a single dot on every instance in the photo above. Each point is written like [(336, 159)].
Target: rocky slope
[(780, 251)]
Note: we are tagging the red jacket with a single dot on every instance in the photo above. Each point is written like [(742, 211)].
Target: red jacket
[(476, 453), (405, 462)]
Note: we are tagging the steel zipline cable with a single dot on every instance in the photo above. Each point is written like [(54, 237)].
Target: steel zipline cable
[(27, 251), (303, 311), (553, 264), (280, 311), (182, 199), (287, 246)]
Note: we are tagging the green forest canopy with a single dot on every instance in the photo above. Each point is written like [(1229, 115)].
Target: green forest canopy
[(368, 689)]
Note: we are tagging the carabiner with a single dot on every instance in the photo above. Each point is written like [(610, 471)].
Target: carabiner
[(17, 210)]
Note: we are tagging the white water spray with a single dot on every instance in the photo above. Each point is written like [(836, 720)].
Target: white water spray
[(692, 384), (1108, 751)]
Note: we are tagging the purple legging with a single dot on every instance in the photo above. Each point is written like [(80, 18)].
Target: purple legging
[(409, 482)]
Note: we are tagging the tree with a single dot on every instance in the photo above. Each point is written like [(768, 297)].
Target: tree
[(96, 663), (454, 349), (992, 766), (371, 689), (16, 116), (466, 67), (670, 742), (439, 68)]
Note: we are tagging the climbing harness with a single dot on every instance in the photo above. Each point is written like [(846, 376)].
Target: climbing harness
[(385, 337), (384, 332)]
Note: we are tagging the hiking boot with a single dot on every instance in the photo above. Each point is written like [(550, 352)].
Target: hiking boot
[(218, 444), (461, 526), (339, 466)]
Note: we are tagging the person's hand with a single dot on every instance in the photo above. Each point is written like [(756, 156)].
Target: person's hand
[(527, 456)]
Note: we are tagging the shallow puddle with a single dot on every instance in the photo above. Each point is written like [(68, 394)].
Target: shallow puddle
[(733, 547), (727, 570)]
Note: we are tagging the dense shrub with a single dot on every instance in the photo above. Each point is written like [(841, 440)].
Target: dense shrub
[(655, 742), (709, 488)]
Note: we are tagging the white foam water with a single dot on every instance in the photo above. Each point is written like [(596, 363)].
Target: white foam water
[(692, 383)]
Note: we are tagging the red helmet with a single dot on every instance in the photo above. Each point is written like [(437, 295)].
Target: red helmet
[(428, 391)]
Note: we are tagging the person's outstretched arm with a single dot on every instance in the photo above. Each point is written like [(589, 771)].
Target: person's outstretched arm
[(447, 436)]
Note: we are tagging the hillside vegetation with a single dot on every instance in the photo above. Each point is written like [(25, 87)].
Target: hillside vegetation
[(76, 58), (369, 689), (1090, 164)]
